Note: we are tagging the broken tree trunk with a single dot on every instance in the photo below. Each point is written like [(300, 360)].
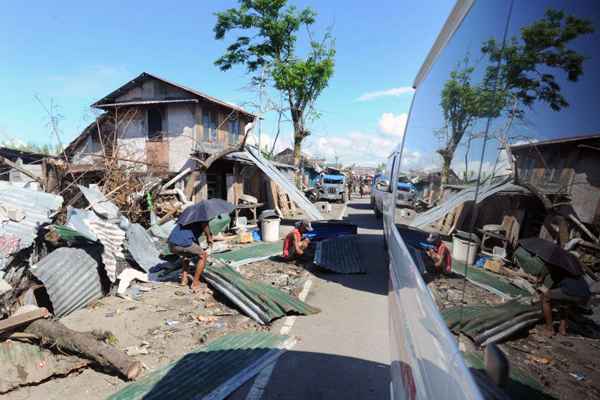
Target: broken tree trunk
[(53, 333)]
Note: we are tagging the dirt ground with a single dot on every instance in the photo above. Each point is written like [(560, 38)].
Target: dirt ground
[(162, 322), (567, 367)]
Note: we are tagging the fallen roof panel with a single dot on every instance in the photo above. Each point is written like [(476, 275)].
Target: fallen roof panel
[(38, 208), (100, 204), (141, 247), (249, 254), (110, 235), (262, 302), (71, 278), (339, 255), (211, 372), (431, 216), (283, 181)]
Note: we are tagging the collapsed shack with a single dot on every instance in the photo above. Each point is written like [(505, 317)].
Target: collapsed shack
[(68, 259)]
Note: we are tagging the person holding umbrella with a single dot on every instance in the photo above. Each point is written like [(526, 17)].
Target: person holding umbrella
[(184, 240), (559, 277)]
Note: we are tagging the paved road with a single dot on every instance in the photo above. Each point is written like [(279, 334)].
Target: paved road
[(343, 352)]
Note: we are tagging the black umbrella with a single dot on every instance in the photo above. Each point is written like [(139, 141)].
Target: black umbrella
[(204, 211), (553, 254)]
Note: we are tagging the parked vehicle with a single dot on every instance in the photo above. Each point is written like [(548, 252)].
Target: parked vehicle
[(500, 74), (405, 194), (332, 188)]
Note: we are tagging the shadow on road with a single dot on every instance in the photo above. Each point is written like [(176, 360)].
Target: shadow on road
[(300, 375), (366, 221)]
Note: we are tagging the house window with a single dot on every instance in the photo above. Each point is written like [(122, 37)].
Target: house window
[(154, 124), (234, 130), (209, 122)]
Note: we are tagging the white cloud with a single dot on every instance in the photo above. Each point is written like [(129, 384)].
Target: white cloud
[(266, 142), (393, 92), (392, 124), (360, 148)]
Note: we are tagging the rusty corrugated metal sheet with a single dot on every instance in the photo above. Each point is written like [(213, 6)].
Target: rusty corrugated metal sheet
[(71, 279), (38, 208), (212, 372)]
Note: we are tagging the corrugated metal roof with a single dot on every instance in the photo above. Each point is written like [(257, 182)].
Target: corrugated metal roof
[(339, 255), (109, 234), (148, 102), (431, 216), (145, 75), (38, 207), (71, 278), (141, 247), (211, 372), (100, 204), (261, 302), (282, 180)]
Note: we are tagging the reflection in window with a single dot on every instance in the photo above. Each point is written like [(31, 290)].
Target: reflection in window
[(503, 148)]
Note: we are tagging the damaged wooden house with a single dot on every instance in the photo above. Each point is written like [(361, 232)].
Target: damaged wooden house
[(156, 128)]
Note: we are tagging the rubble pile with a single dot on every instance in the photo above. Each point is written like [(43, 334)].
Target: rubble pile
[(57, 259)]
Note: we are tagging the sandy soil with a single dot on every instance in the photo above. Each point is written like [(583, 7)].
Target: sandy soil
[(165, 321)]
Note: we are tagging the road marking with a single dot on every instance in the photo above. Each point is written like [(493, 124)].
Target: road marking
[(262, 380)]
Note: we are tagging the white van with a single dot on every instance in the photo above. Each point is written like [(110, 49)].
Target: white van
[(454, 126)]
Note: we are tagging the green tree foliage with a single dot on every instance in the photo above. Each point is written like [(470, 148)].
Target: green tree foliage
[(519, 74), (269, 42)]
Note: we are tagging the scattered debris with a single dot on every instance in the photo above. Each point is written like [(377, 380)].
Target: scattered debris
[(19, 319), (259, 301)]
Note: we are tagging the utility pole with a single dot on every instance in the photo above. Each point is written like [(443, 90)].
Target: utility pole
[(261, 88)]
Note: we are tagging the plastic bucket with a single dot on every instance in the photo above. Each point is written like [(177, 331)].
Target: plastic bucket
[(464, 250), (270, 229)]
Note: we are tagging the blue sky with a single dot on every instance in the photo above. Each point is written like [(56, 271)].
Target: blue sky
[(73, 53)]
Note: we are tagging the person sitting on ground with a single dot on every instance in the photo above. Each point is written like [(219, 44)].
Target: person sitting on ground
[(293, 245), (440, 254), (561, 287), (184, 242)]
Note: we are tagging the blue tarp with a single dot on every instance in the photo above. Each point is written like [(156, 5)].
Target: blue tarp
[(406, 186), (337, 178), (330, 229)]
